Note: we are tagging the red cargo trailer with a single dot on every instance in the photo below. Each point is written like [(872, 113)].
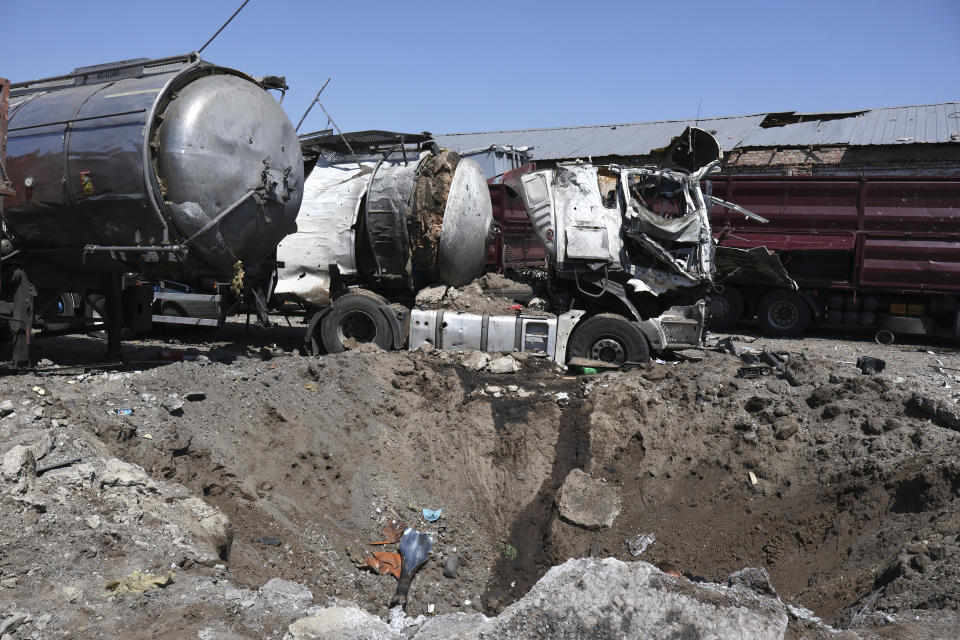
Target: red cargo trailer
[(875, 252), (516, 245)]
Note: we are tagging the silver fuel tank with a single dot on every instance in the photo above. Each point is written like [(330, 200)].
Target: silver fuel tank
[(171, 167)]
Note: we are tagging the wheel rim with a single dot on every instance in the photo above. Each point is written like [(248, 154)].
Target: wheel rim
[(358, 326), (609, 349), (783, 315), (719, 307)]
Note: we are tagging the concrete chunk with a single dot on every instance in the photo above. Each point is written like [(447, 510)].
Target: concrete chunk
[(587, 502)]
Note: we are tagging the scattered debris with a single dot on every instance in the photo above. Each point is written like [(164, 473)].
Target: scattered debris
[(57, 465), (173, 405), (691, 355), (727, 345), (509, 551), (430, 296), (268, 540), (138, 582), (778, 362), (538, 304), (384, 562), (432, 515), (639, 543), (414, 550), (884, 337), (870, 366), (753, 478), (754, 372), (593, 364), (392, 532)]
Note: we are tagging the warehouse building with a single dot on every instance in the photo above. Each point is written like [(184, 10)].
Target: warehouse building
[(910, 140)]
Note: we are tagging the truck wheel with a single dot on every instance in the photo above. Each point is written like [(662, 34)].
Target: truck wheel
[(610, 338), (355, 319), (726, 308), (783, 314)]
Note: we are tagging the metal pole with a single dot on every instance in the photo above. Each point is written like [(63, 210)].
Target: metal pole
[(315, 100), (200, 50), (342, 137)]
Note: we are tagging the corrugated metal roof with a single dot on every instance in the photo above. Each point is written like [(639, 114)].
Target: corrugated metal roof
[(926, 124)]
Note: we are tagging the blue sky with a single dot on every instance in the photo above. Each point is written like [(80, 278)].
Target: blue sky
[(476, 66)]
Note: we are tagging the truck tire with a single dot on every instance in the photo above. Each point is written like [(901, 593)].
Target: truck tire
[(355, 318), (726, 308), (610, 338), (783, 314)]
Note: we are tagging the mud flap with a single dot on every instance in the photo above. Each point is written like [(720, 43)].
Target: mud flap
[(312, 346), (399, 319)]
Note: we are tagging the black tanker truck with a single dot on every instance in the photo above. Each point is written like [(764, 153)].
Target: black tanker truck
[(127, 174)]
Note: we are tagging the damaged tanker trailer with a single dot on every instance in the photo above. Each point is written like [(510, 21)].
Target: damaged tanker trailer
[(132, 173), (631, 253), (383, 215)]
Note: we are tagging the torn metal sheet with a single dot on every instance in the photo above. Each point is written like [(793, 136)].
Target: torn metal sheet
[(583, 220), (325, 236), (758, 266)]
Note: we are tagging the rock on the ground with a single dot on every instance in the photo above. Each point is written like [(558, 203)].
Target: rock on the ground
[(286, 594), (19, 468), (503, 364), (12, 622), (41, 446), (602, 598), (785, 427), (587, 502), (450, 567), (118, 473), (949, 415), (475, 360), (210, 528), (754, 579), (340, 623), (599, 599), (430, 295)]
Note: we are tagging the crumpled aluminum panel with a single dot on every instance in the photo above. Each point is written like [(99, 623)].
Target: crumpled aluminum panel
[(325, 234), (589, 230)]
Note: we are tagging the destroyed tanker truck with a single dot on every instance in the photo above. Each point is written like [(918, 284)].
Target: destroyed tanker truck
[(127, 174), (630, 249)]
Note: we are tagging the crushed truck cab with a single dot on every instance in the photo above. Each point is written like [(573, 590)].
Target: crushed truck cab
[(630, 246)]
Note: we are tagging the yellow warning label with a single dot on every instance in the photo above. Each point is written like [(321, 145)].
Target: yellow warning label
[(86, 183)]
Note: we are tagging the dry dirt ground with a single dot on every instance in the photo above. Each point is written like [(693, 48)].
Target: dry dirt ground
[(265, 474)]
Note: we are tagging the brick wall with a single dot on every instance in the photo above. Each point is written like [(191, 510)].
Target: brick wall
[(908, 159)]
